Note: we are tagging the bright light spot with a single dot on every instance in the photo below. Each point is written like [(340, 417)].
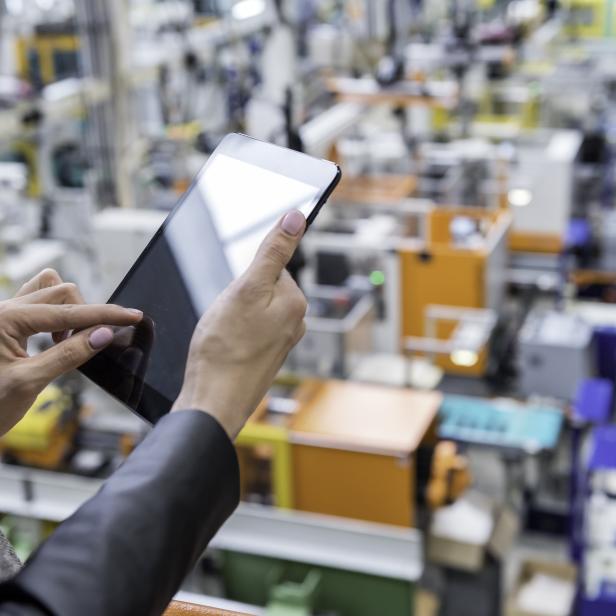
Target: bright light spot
[(520, 197), (464, 358), (245, 9), (377, 278)]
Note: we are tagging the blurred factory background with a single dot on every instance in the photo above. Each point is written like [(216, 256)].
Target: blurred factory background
[(442, 442)]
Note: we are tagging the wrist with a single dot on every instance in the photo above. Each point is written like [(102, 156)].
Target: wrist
[(188, 403)]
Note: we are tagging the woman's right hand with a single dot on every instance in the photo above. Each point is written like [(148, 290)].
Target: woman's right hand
[(47, 304), (242, 341)]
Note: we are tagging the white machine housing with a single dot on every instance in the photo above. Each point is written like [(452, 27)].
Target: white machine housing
[(555, 353)]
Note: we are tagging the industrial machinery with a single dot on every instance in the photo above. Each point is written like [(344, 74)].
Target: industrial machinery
[(461, 264), (555, 354), (339, 330), (45, 436)]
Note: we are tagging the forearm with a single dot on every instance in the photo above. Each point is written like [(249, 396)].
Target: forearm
[(127, 550)]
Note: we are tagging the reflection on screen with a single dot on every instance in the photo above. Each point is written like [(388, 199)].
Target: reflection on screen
[(246, 201), (209, 240)]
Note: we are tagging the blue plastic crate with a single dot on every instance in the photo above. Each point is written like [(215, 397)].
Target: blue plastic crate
[(484, 422)]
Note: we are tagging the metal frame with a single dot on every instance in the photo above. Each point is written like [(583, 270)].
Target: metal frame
[(350, 545), (461, 338)]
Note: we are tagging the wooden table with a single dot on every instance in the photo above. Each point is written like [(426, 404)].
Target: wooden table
[(353, 449)]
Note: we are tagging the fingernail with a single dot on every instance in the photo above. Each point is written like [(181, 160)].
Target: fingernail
[(100, 338), (294, 222), (139, 313)]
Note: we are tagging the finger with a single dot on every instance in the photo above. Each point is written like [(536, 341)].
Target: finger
[(37, 318), (63, 293), (70, 354), (278, 247), (47, 278)]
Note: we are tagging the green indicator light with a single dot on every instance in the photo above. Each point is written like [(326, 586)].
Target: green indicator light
[(377, 278)]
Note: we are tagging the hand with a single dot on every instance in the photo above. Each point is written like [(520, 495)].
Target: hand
[(242, 341), (47, 304)]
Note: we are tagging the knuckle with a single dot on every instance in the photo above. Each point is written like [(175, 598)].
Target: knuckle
[(49, 277), (298, 305), (277, 252), (67, 314), (71, 352), (249, 287), (289, 337), (69, 291), (68, 311), (70, 288)]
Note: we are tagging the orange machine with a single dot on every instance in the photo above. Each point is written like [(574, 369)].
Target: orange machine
[(442, 272), (353, 448), (348, 449)]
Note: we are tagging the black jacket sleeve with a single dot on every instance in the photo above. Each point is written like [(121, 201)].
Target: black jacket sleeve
[(126, 551)]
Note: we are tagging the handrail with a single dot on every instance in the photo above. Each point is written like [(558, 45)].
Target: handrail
[(179, 608)]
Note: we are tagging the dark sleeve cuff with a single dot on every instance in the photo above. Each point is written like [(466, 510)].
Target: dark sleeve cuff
[(127, 550)]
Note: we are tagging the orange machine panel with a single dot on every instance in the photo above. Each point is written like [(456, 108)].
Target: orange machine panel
[(353, 447), (447, 277), (535, 242), (354, 485)]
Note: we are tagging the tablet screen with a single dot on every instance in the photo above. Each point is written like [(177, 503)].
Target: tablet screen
[(208, 240)]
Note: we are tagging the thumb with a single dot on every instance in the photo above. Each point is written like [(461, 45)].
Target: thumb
[(278, 247), (70, 354)]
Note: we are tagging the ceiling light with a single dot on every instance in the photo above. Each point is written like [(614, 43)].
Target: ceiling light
[(464, 358), (520, 197)]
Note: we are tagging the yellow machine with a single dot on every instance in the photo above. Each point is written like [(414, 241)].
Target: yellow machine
[(27, 151), (445, 274), (590, 19), (513, 106), (49, 55), (450, 476), (44, 437)]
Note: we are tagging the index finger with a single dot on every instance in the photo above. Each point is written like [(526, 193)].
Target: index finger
[(37, 318), (278, 247)]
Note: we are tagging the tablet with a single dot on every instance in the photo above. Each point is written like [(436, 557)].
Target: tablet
[(209, 238)]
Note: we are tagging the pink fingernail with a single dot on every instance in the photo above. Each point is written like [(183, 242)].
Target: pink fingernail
[(139, 313), (294, 222), (100, 338)]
